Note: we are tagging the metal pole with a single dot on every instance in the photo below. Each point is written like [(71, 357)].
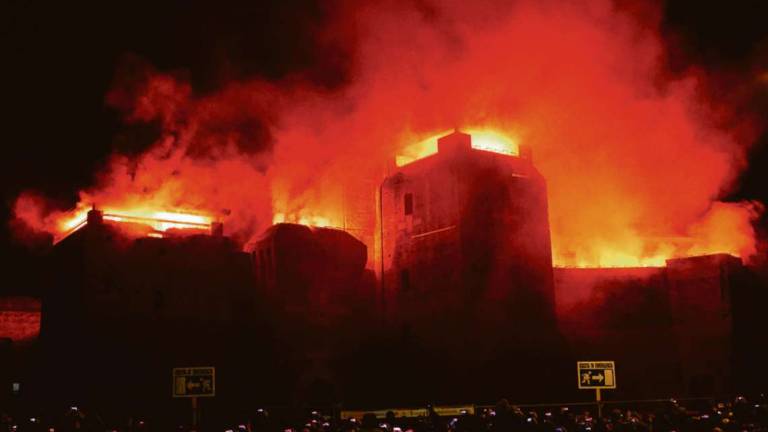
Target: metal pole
[(599, 405), (194, 412), (382, 286)]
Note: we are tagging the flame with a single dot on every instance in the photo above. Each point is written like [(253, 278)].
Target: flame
[(493, 141), (724, 228), (635, 159), (74, 222), (160, 221), (483, 138), (305, 219), (613, 258)]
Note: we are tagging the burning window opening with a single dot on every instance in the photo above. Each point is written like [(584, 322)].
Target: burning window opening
[(159, 221)]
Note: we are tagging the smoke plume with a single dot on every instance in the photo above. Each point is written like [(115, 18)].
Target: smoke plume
[(635, 158)]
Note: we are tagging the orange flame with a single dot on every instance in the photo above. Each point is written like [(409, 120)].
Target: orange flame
[(159, 221), (635, 159), (483, 138), (724, 228), (304, 219)]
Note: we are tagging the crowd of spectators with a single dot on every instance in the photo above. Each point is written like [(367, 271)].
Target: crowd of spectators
[(737, 415)]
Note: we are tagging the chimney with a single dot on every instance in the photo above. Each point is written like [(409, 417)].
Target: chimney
[(217, 229), (95, 217), (454, 142)]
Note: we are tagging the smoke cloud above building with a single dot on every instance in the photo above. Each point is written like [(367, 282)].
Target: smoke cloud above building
[(636, 158)]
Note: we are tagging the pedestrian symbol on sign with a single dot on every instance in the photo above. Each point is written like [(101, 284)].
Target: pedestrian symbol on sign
[(596, 375)]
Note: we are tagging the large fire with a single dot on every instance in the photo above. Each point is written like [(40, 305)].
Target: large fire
[(158, 221), (306, 219), (636, 160), (482, 139), (725, 227)]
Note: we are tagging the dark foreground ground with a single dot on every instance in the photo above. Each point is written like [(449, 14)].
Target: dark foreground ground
[(740, 414)]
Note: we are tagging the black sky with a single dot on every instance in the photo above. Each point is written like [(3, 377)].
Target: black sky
[(60, 59)]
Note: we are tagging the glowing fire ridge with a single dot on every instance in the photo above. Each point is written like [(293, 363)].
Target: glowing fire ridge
[(75, 222), (616, 260), (493, 141), (482, 139), (308, 220), (160, 221)]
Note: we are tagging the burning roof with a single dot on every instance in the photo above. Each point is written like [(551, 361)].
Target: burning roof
[(482, 139), (150, 223)]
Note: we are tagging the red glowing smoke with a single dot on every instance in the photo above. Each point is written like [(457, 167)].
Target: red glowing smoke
[(635, 160)]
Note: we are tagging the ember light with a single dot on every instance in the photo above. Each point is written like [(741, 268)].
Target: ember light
[(493, 141), (159, 221), (482, 139), (309, 220)]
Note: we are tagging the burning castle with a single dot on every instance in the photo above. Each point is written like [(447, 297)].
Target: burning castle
[(465, 272)]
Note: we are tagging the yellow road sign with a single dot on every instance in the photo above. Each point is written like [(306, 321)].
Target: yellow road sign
[(596, 374), (194, 382)]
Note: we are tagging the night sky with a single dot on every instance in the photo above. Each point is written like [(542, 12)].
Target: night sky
[(61, 58)]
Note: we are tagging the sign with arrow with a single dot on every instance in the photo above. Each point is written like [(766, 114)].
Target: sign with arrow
[(596, 374), (194, 382)]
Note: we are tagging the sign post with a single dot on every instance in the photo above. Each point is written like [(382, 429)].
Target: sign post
[(597, 375), (194, 411), (194, 382)]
